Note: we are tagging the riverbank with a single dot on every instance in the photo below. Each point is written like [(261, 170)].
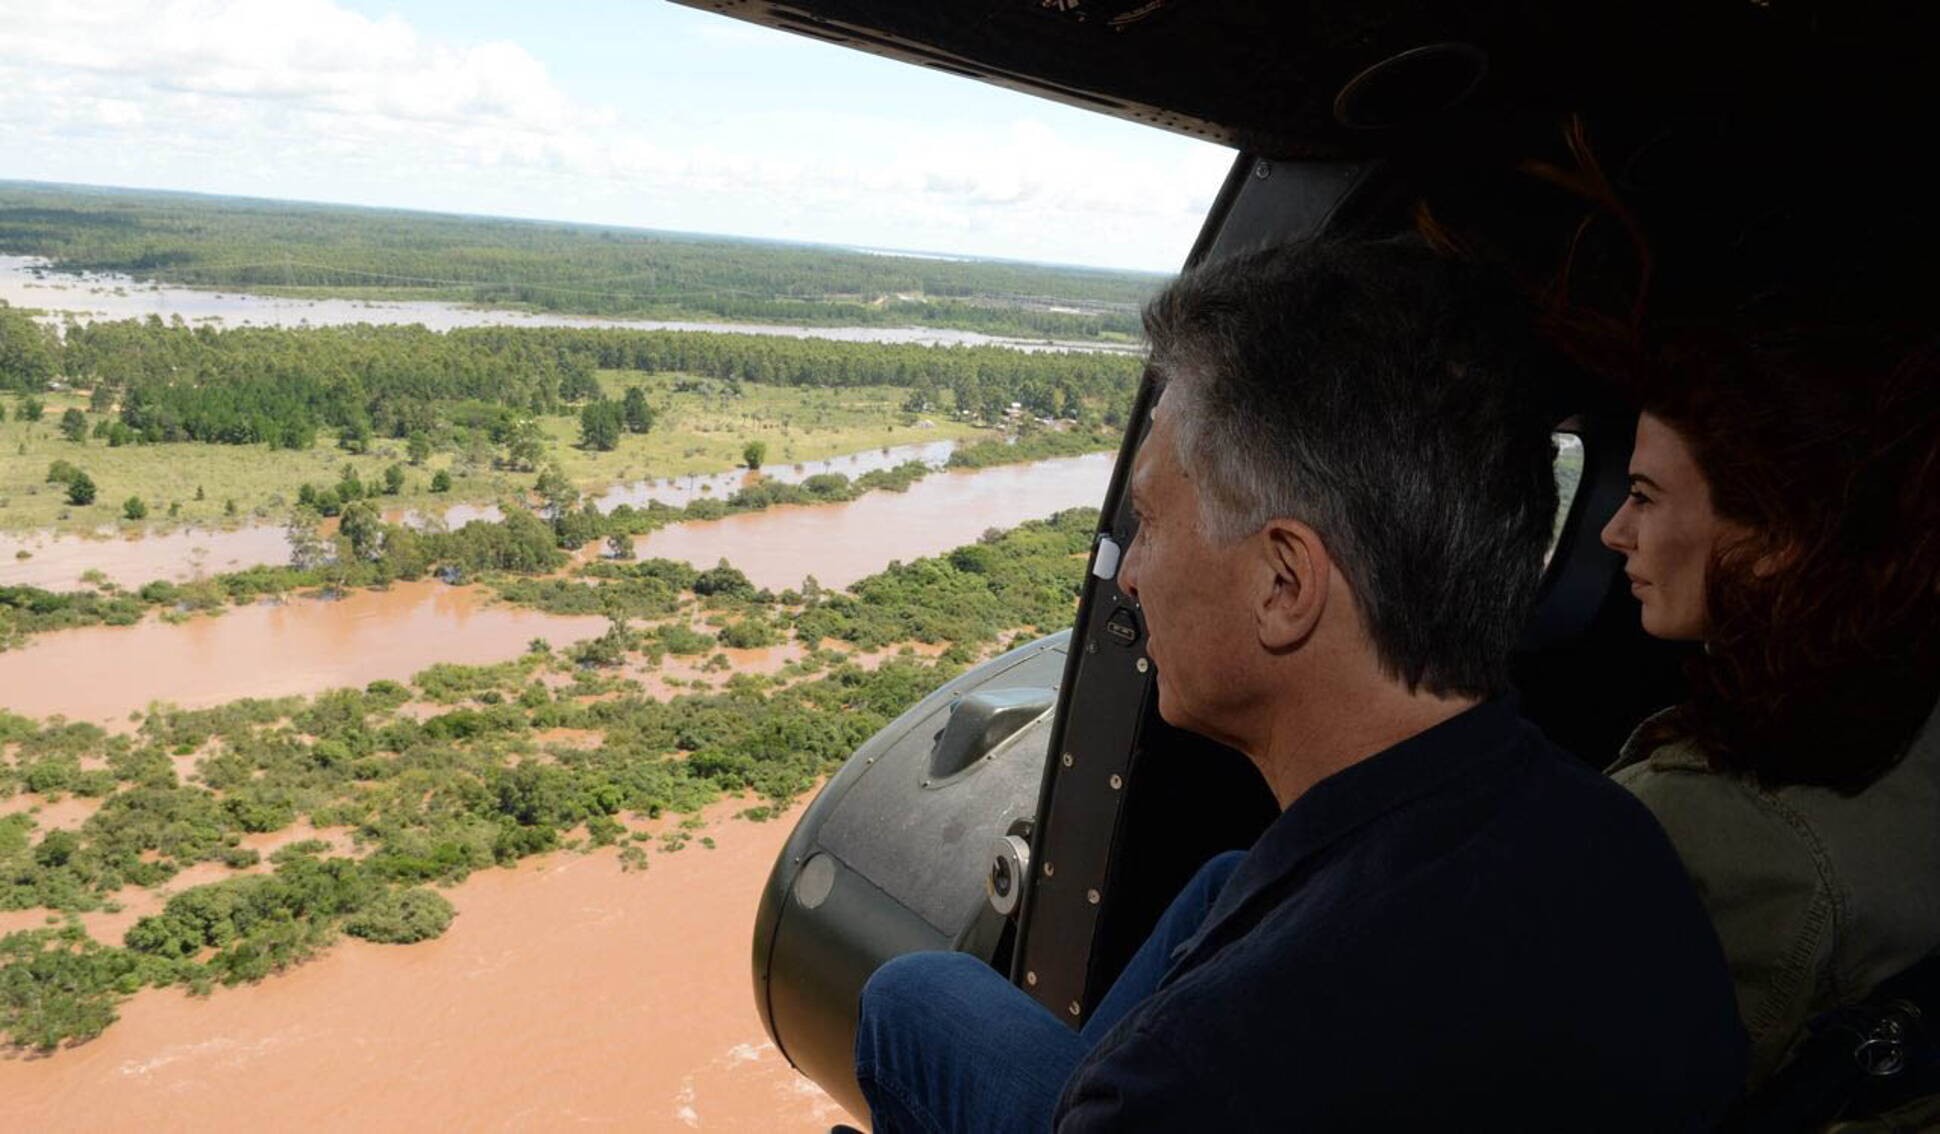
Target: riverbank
[(466, 768), (566, 992), (60, 297), (844, 526), (698, 437)]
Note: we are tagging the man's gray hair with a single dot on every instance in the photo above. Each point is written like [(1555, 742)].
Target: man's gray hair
[(1393, 401)]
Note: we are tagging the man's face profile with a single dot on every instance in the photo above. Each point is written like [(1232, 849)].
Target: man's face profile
[(1191, 589)]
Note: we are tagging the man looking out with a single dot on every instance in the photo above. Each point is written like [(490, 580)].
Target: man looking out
[(1343, 504)]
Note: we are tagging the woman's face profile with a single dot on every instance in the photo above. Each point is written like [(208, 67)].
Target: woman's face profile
[(1667, 532)]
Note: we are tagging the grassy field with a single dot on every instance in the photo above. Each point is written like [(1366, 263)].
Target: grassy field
[(693, 433)]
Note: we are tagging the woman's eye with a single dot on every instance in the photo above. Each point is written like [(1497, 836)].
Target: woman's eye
[(1638, 498)]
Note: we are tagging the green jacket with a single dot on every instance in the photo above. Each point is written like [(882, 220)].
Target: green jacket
[(1816, 896)]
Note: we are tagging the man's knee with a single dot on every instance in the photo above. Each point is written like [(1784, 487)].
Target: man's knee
[(914, 979), (907, 990)]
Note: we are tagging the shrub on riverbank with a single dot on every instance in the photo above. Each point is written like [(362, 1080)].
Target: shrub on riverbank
[(430, 800)]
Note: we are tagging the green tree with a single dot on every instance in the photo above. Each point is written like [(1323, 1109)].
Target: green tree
[(755, 453), (558, 493), (527, 444), (363, 528), (635, 410), (441, 481), (80, 489), (619, 545), (31, 409), (355, 437), (134, 509), (307, 548), (393, 480), (61, 472), (349, 487), (599, 426), (74, 425), (418, 447), (27, 351)]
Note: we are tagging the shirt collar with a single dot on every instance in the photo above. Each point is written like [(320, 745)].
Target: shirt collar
[(1360, 793)]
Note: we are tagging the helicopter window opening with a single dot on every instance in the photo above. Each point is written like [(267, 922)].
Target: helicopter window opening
[(1569, 476)]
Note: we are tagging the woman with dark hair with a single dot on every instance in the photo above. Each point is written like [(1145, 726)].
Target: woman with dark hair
[(1785, 512)]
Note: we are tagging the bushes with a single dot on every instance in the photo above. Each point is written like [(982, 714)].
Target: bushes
[(80, 489), (724, 581), (400, 917), (436, 799)]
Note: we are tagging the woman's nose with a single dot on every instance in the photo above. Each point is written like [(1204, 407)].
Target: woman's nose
[(1617, 535)]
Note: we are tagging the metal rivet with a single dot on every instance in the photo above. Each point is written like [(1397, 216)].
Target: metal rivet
[(1074, 1009), (1117, 782), (1030, 978), (1091, 896), (1067, 759), (1143, 665), (1091, 647), (1049, 870), (1262, 169)]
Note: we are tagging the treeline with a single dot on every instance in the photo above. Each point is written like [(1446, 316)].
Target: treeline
[(431, 799), (254, 245), (283, 386)]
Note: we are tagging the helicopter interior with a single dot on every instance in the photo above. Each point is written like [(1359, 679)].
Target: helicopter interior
[(1495, 124)]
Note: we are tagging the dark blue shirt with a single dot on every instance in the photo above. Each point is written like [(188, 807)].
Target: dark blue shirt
[(1469, 930)]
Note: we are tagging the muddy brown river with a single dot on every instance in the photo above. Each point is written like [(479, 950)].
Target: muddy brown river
[(565, 994), (103, 673), (57, 561)]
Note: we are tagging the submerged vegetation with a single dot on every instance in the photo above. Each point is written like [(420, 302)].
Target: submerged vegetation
[(361, 802), (321, 250)]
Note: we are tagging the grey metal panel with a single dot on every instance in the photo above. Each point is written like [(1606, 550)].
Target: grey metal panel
[(926, 844)]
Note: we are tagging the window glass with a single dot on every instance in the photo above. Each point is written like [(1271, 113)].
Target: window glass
[(1569, 474)]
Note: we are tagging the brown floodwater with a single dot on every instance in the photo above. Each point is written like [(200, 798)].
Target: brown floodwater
[(839, 544), (566, 993), (89, 296), (131, 559), (103, 673), (57, 561)]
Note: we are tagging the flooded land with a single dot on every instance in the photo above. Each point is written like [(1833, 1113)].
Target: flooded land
[(58, 560), (565, 993), (565, 773), (26, 282), (102, 673)]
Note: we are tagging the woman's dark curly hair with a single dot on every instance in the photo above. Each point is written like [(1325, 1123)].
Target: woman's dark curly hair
[(1823, 442)]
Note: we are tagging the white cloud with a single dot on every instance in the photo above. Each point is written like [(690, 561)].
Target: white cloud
[(307, 99)]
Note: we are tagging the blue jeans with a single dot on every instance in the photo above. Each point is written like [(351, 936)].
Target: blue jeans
[(947, 1044)]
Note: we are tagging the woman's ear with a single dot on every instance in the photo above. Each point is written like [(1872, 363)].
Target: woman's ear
[(1297, 572)]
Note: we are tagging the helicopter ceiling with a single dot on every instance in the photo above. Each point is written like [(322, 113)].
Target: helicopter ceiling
[(1353, 78)]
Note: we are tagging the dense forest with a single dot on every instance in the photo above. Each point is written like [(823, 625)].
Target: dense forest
[(281, 386), (469, 780), (289, 248)]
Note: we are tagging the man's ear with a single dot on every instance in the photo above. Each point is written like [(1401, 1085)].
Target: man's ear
[(1299, 572)]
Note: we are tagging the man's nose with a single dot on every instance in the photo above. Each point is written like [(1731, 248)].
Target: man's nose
[(1128, 572)]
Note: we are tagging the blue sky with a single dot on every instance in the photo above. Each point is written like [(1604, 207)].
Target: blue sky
[(638, 113)]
